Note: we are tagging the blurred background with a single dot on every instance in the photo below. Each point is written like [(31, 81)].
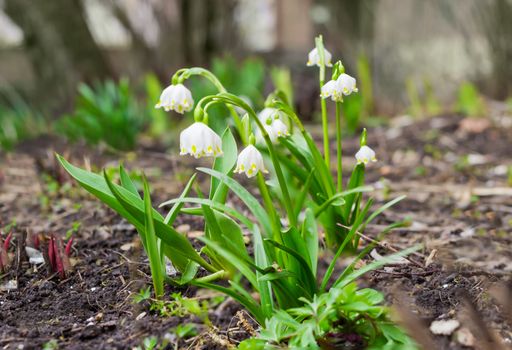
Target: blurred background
[(77, 63)]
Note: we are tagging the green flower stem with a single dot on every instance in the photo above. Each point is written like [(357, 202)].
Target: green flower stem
[(339, 147), (235, 100), (213, 277), (267, 200), (325, 122), (183, 74)]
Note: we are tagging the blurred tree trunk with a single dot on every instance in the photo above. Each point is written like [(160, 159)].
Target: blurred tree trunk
[(207, 29), (495, 18), (59, 45), (355, 21)]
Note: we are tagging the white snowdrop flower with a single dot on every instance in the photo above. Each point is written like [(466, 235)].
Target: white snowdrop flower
[(177, 98), (365, 155), (333, 90), (269, 114), (347, 84), (275, 130), (199, 140), (250, 161), (314, 58), (279, 128)]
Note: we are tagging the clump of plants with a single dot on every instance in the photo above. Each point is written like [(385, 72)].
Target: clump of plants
[(299, 209), (106, 112)]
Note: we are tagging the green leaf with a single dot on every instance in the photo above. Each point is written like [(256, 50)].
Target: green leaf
[(338, 196), (214, 205), (249, 304), (356, 180), (178, 247), (239, 263), (301, 269), (375, 265), (224, 165), (261, 260), (348, 238), (127, 182), (175, 210), (152, 244), (249, 200), (310, 236)]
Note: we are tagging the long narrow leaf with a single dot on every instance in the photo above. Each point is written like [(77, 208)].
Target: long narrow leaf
[(152, 244), (249, 200)]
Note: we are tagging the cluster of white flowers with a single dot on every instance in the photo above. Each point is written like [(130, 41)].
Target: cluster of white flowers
[(272, 120), (335, 89), (199, 140), (177, 98)]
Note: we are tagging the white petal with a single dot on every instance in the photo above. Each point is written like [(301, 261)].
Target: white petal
[(199, 140), (365, 155), (250, 162), (279, 128), (347, 84), (333, 90), (176, 97), (314, 58)]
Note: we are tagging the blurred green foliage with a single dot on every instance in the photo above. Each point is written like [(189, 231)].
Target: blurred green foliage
[(18, 121), (106, 112), (469, 101), (358, 108), (422, 104), (160, 121)]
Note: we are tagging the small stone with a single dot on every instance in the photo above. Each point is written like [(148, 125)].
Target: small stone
[(444, 327), (465, 337)]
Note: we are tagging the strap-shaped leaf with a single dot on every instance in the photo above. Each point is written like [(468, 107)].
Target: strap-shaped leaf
[(224, 165), (152, 244), (249, 304), (249, 200), (214, 205), (175, 210), (97, 186), (127, 182), (310, 236)]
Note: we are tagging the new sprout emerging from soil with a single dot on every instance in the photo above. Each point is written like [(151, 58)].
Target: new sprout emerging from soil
[(58, 256), (4, 248)]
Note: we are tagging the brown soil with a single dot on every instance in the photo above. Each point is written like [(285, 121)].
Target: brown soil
[(453, 170)]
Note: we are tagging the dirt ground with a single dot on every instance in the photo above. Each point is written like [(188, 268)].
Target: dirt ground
[(455, 172)]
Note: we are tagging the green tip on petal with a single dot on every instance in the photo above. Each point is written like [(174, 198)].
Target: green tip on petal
[(362, 140)]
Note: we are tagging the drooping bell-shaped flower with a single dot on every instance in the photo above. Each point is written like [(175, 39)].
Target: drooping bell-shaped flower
[(335, 89), (278, 129), (365, 155), (272, 120), (199, 140), (347, 84), (250, 162), (176, 97), (269, 114), (314, 58)]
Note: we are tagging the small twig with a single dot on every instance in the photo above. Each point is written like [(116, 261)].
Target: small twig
[(382, 245)]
